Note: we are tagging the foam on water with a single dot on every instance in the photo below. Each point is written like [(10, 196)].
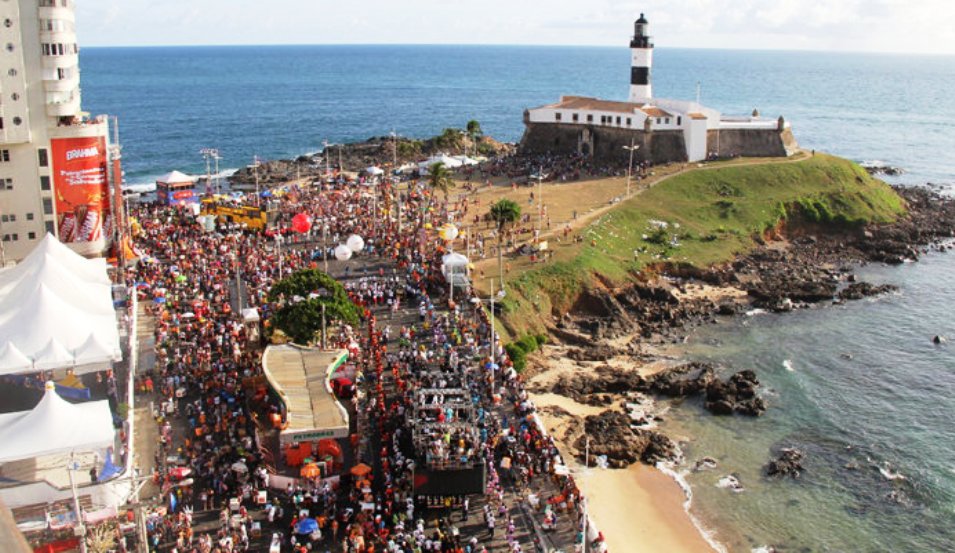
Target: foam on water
[(680, 478)]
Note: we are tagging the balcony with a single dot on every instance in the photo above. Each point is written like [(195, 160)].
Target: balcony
[(58, 12), (66, 60), (62, 85), (69, 106)]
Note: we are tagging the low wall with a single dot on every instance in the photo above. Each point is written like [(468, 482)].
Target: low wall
[(604, 143), (751, 142)]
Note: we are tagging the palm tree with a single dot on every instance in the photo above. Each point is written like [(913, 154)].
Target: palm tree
[(439, 179), (504, 213), (474, 129)]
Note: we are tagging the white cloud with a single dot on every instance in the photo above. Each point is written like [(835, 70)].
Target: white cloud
[(867, 25)]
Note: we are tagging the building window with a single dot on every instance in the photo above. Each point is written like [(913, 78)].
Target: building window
[(8, 23), (667, 121), (44, 183), (11, 237), (10, 47), (49, 227), (48, 206), (4, 155), (30, 216), (590, 118), (31, 235), (679, 120), (557, 116), (658, 120), (12, 72), (13, 218), (618, 119), (15, 96), (628, 121), (17, 121), (6, 184), (43, 157), (4, 219), (575, 118)]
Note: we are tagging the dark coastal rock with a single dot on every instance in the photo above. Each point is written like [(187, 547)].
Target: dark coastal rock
[(737, 395), (788, 463), (881, 169), (610, 433), (859, 290)]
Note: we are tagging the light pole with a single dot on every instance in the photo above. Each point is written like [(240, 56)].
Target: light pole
[(540, 201), (278, 249), (325, 154), (631, 148), (80, 527), (211, 154)]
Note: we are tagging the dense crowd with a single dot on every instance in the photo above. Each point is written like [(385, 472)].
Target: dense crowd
[(472, 410)]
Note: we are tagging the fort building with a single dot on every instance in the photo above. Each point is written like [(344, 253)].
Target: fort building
[(661, 130)]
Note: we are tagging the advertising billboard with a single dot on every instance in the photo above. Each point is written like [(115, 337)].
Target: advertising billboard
[(82, 188)]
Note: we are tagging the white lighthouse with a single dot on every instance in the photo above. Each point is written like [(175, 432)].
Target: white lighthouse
[(641, 62)]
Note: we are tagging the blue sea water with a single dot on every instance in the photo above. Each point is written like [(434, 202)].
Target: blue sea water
[(868, 390)]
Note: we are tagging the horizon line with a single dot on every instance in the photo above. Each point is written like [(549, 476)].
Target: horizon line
[(513, 45)]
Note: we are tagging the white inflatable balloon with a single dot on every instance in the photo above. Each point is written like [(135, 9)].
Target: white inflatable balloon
[(343, 252), (355, 243), (449, 232)]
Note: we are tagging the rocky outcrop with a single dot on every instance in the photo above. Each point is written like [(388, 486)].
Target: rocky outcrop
[(738, 394), (859, 290), (788, 463), (611, 433)]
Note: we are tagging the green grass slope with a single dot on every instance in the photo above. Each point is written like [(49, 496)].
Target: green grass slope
[(710, 216)]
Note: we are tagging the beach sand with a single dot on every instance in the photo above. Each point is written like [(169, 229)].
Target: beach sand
[(638, 509)]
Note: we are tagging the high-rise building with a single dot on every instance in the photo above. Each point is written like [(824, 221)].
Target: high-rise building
[(54, 159)]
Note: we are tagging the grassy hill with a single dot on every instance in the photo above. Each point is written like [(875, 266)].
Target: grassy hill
[(698, 218)]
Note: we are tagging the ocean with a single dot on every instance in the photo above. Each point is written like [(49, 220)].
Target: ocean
[(860, 388)]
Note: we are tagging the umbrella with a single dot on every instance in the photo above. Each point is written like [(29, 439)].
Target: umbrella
[(306, 526), (159, 300), (240, 466), (310, 470), (188, 315), (342, 381), (180, 472), (361, 469), (181, 278)]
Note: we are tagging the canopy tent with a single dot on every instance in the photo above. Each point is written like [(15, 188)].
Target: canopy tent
[(454, 267), (175, 177), (448, 162), (55, 426), (465, 160), (375, 171), (56, 310)]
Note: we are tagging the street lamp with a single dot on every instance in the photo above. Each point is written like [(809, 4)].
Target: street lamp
[(631, 148), (324, 294)]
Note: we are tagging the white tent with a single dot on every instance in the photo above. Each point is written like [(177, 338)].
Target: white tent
[(465, 160), (56, 310), (55, 426), (375, 171), (449, 162), (175, 177), (454, 267)]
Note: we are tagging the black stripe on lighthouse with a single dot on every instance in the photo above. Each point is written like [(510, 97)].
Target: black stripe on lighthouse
[(639, 75)]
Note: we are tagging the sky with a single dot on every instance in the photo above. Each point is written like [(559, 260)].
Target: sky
[(918, 26)]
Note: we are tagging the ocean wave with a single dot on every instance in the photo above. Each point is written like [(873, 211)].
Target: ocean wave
[(754, 312), (731, 483), (680, 478)]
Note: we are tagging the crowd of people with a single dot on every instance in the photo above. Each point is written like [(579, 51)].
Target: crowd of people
[(211, 457)]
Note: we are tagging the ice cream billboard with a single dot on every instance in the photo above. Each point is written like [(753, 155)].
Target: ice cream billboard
[(82, 188)]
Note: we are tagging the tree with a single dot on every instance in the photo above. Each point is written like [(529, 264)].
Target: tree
[(300, 297), (439, 179), (474, 129), (504, 213)]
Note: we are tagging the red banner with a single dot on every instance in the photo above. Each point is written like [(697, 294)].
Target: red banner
[(82, 188)]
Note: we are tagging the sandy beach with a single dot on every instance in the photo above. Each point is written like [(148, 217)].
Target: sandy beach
[(638, 509)]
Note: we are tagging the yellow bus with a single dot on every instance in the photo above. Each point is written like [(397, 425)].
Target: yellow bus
[(254, 217)]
